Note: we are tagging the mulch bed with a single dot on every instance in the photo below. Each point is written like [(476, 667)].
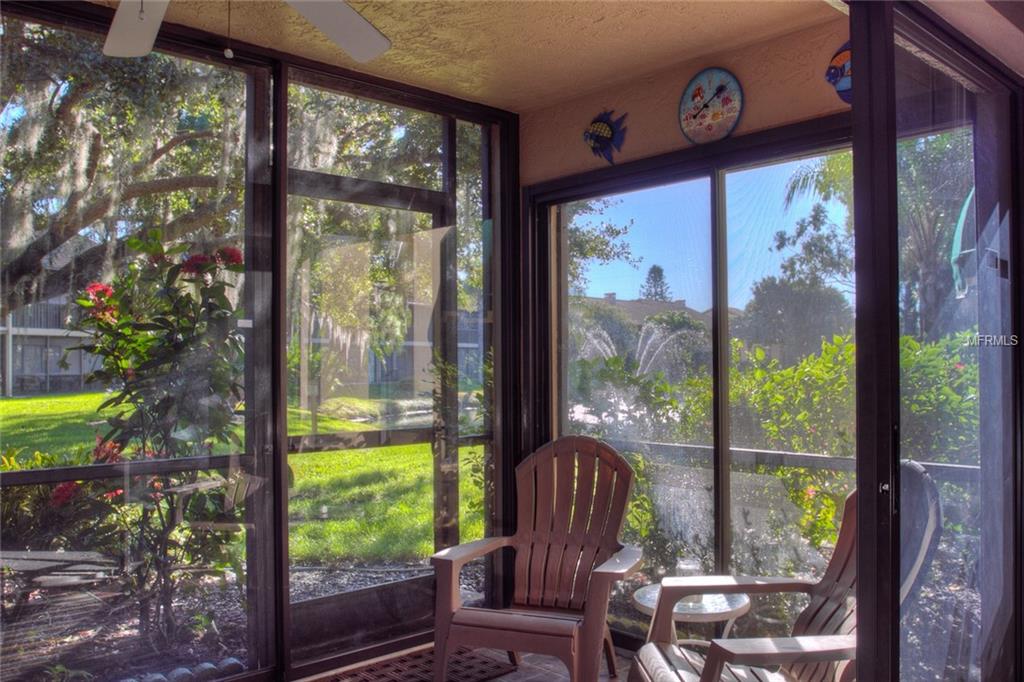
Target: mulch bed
[(96, 630), (464, 665)]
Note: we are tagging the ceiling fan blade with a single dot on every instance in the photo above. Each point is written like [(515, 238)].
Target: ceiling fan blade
[(345, 26), (134, 29)]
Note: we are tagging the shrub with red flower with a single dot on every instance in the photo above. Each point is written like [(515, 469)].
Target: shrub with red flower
[(225, 257), (99, 292), (173, 359), (112, 495), (63, 493), (229, 255), (106, 451), (100, 304), (196, 263)]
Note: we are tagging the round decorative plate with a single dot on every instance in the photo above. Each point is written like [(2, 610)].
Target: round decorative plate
[(711, 106)]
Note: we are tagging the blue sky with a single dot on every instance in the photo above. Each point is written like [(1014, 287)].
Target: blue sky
[(672, 228)]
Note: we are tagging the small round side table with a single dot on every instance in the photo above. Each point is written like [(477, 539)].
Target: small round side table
[(710, 608)]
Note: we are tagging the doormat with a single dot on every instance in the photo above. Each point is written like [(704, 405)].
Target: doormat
[(465, 665)]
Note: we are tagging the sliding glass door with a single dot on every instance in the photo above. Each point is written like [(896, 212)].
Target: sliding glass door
[(792, 432), (388, 364), (635, 362), (937, 163), (705, 329), (953, 180)]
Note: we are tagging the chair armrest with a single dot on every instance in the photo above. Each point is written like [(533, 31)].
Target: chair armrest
[(462, 554), (447, 564), (181, 493), (731, 584), (620, 565), (190, 488), (763, 651), (675, 588)]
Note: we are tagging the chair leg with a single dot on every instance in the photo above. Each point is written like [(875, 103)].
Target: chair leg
[(572, 662), (440, 655), (637, 673), (609, 653), (514, 658)]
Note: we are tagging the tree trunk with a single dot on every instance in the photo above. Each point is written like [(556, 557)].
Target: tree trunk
[(305, 324)]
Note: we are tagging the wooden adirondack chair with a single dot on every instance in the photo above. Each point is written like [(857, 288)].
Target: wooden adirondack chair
[(823, 645), (572, 496), (237, 488)]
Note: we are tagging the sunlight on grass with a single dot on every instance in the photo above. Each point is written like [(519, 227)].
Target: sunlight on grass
[(53, 424), (346, 506), (300, 423), (58, 424), (372, 505)]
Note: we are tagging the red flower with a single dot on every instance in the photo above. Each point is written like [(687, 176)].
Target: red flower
[(157, 259), (63, 493), (97, 291), (99, 294), (113, 493), (106, 451), (229, 255), (959, 365), (196, 263)]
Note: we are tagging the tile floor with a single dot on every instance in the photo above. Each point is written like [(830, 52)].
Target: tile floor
[(537, 668)]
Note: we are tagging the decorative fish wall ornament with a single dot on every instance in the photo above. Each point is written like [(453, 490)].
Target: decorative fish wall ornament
[(840, 75), (605, 135)]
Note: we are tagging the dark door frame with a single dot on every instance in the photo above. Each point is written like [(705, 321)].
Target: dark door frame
[(873, 34)]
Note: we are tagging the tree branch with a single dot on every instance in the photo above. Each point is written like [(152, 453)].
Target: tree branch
[(88, 266), (28, 264), (177, 140)]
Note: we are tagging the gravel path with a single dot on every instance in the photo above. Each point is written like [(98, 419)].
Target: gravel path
[(310, 582)]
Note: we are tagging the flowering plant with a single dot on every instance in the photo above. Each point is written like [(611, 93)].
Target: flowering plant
[(166, 337)]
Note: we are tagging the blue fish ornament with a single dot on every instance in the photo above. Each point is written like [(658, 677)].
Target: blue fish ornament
[(840, 74), (605, 135)]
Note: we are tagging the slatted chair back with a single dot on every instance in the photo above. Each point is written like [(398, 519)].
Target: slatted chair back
[(833, 605), (572, 495), (920, 526)]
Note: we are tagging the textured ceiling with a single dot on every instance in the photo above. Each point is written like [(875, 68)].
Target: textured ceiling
[(515, 55)]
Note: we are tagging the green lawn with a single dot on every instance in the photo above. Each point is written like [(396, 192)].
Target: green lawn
[(301, 424), (58, 424), (346, 505), (379, 505), (53, 424)]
